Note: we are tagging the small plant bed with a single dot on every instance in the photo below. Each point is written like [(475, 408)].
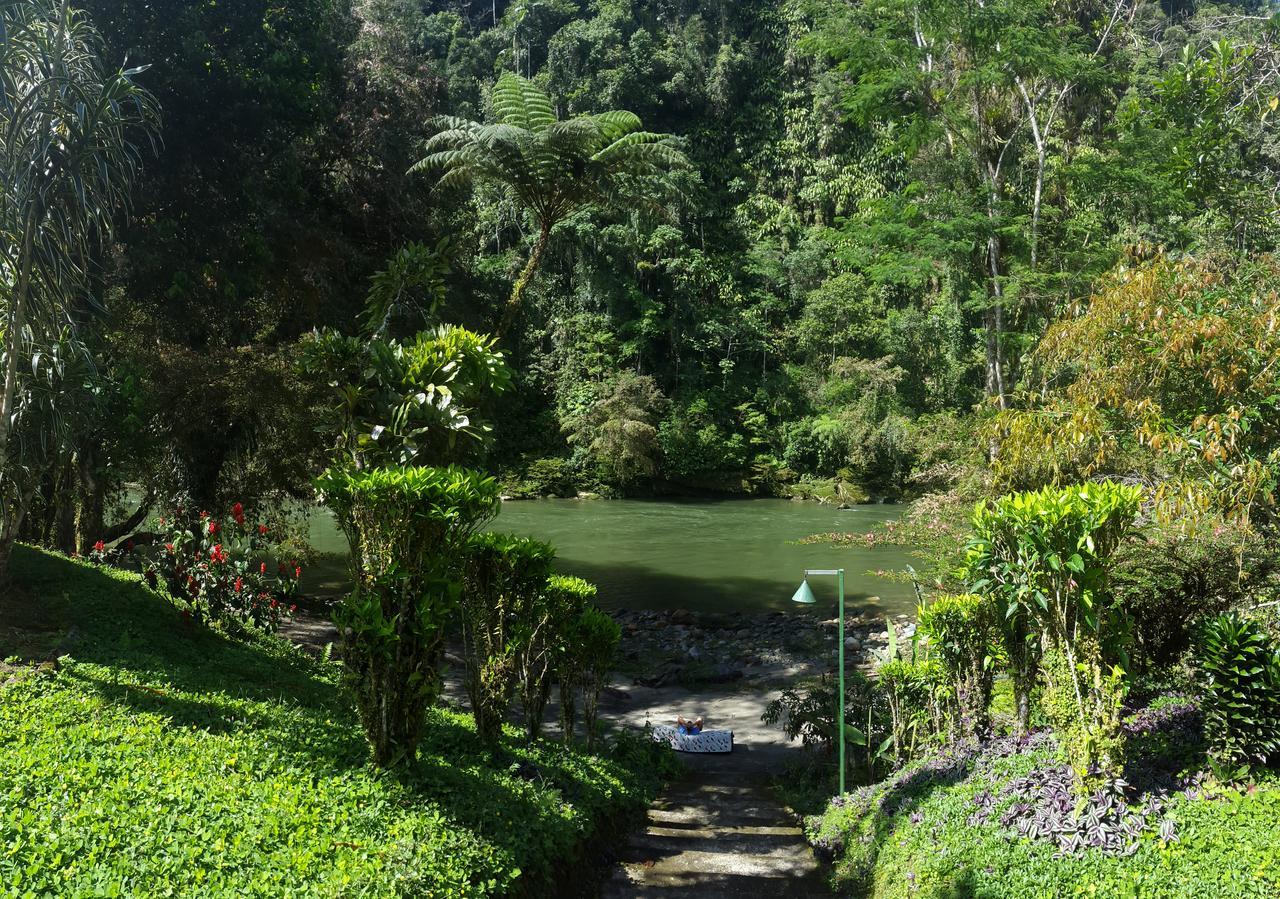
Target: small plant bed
[(1001, 820), (158, 756)]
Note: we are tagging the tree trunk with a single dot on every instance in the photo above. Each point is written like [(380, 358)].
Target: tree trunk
[(89, 523), (65, 495), (522, 282)]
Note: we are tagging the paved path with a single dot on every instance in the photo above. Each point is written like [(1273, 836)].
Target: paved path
[(718, 830)]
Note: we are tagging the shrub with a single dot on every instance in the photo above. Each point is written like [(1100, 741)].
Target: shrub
[(505, 578), (219, 566), (596, 636), (915, 692), (1168, 581), (584, 654), (560, 603), (406, 527), (1241, 667), (1045, 554), (961, 631)]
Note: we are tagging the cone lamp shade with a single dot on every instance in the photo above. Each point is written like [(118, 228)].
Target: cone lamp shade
[(803, 594)]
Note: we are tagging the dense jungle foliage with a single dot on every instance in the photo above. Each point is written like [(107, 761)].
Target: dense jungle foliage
[(882, 207)]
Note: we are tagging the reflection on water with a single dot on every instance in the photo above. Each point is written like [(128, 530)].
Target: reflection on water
[(703, 555)]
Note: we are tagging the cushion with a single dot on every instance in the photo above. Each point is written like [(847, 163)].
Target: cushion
[(706, 741)]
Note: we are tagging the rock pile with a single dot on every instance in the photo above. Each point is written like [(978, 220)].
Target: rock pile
[(661, 647)]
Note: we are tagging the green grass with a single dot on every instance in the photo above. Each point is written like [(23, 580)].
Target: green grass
[(1228, 846), (163, 759)]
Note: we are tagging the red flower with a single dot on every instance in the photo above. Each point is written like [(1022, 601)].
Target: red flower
[(274, 604), (293, 608), (262, 569), (99, 547), (213, 528), (297, 573), (237, 512), (239, 584), (262, 529), (204, 515), (168, 547), (216, 554)]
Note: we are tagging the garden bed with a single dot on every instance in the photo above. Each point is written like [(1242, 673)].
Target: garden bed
[(1000, 821), (161, 757)]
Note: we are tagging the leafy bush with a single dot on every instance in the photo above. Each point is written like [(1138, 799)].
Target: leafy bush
[(1241, 667), (1169, 580), (219, 567), (586, 652), (560, 603), (504, 583), (406, 526), (1045, 554), (961, 630), (595, 636), (915, 692)]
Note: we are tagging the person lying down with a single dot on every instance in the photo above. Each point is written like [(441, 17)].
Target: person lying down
[(689, 726)]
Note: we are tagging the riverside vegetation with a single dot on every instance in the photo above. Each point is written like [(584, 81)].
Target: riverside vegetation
[(1012, 261)]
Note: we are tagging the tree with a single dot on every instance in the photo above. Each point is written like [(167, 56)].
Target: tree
[(67, 158), (551, 168), (1170, 373), (618, 426)]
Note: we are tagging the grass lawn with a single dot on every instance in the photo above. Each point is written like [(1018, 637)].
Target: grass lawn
[(158, 758)]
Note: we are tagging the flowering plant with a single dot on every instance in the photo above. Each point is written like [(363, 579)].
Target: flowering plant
[(219, 566)]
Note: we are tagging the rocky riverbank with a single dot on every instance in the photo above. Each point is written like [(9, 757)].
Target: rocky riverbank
[(661, 648)]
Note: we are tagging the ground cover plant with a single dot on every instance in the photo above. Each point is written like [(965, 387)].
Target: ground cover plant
[(1002, 820), (155, 756)]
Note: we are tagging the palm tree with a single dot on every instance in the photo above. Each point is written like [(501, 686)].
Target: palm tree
[(66, 161), (552, 168)]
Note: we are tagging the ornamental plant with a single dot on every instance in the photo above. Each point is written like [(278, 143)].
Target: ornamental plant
[(1240, 666), (568, 655), (1044, 554), (504, 582), (961, 631), (407, 528), (595, 636), (915, 691), (219, 565), (558, 604)]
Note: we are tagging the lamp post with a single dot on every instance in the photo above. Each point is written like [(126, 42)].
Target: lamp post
[(805, 595)]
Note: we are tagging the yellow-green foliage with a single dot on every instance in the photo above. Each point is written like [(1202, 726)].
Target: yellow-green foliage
[(1043, 556)]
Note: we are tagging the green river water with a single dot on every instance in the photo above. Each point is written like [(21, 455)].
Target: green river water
[(735, 555)]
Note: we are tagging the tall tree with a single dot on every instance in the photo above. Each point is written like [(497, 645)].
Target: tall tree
[(67, 157), (551, 168)]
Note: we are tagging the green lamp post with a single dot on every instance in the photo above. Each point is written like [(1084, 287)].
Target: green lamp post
[(805, 595)]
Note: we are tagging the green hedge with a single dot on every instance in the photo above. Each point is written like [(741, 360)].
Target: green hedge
[(165, 759)]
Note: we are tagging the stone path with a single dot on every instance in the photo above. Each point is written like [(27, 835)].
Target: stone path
[(720, 835), (720, 828)]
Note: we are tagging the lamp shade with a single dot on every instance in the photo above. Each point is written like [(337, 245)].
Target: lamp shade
[(804, 594)]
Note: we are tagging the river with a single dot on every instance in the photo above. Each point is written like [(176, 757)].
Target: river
[(734, 555)]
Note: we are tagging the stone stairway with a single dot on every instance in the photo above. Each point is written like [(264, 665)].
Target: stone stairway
[(717, 832)]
